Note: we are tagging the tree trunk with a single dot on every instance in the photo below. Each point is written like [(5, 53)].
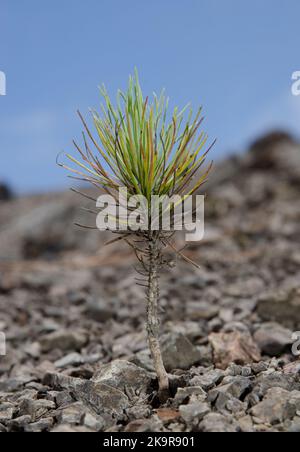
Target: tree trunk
[(153, 321)]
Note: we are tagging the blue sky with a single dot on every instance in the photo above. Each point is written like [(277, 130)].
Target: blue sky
[(234, 57)]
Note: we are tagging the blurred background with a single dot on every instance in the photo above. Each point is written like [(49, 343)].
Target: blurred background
[(235, 58), (68, 304)]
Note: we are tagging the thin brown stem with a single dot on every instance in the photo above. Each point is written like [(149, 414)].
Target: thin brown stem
[(153, 320)]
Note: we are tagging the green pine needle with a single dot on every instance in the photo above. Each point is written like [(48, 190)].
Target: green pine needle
[(138, 148)]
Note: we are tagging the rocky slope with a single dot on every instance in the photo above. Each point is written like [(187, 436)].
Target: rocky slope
[(74, 319)]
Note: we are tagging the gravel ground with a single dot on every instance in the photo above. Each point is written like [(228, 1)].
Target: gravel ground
[(74, 320)]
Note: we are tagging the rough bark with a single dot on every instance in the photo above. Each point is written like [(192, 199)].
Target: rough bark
[(153, 320)]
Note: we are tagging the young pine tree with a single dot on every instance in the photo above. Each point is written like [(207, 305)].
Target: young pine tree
[(140, 147)]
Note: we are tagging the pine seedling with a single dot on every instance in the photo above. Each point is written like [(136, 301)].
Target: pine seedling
[(141, 147)]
